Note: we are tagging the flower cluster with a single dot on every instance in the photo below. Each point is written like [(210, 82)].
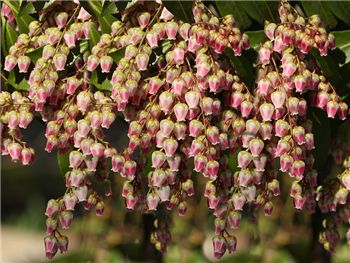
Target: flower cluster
[(188, 113)]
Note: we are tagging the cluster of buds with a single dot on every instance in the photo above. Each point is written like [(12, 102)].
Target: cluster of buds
[(16, 114), (186, 108), (333, 201)]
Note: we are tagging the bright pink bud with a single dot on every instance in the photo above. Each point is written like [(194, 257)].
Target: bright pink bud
[(300, 83), (244, 178), (166, 15), (81, 193), (299, 201), (197, 147), (252, 126), (106, 63), (180, 130), (332, 108), (178, 87), (152, 39), (50, 246), (183, 30), (298, 168), (59, 61), (278, 44), (171, 29), (23, 63), (346, 181), (180, 110), (143, 19), (302, 106), (158, 159), (142, 61), (212, 134), (130, 201), (220, 44), (264, 86), (200, 162), (195, 128), (83, 14), (246, 108), (52, 208), (97, 149), (309, 141), (265, 130), (192, 44), (65, 218), (256, 146), (13, 119), (27, 156), (266, 111), (260, 162), (92, 62), (343, 110), (192, 98), (264, 55), (154, 85), (72, 84), (281, 128), (238, 201), (75, 159), (203, 69), (270, 30), (293, 104), (213, 201), (178, 55), (61, 19), (288, 69), (152, 201), (244, 159), (299, 135), (15, 151), (108, 118), (278, 98), (51, 225), (286, 162), (231, 243), (166, 127), (69, 38), (212, 169), (70, 200), (170, 146), (10, 62), (282, 147)]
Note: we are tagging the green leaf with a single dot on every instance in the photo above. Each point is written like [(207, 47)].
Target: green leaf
[(237, 10), (233, 161), (320, 8), (94, 37), (35, 54), (243, 66), (3, 37), (328, 65), (261, 10), (23, 85), (83, 46), (105, 85), (255, 38), (27, 8), (102, 12), (322, 132), (23, 22), (63, 162), (166, 45), (117, 55), (343, 43), (14, 5), (341, 9), (11, 35), (182, 10)]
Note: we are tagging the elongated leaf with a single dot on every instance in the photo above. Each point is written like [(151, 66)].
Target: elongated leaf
[(26, 8), (320, 8), (237, 10), (14, 5), (261, 10), (182, 10), (243, 66), (343, 43), (94, 37), (63, 162), (341, 9), (35, 54), (328, 64), (118, 54), (322, 133), (3, 37), (11, 35), (255, 38)]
